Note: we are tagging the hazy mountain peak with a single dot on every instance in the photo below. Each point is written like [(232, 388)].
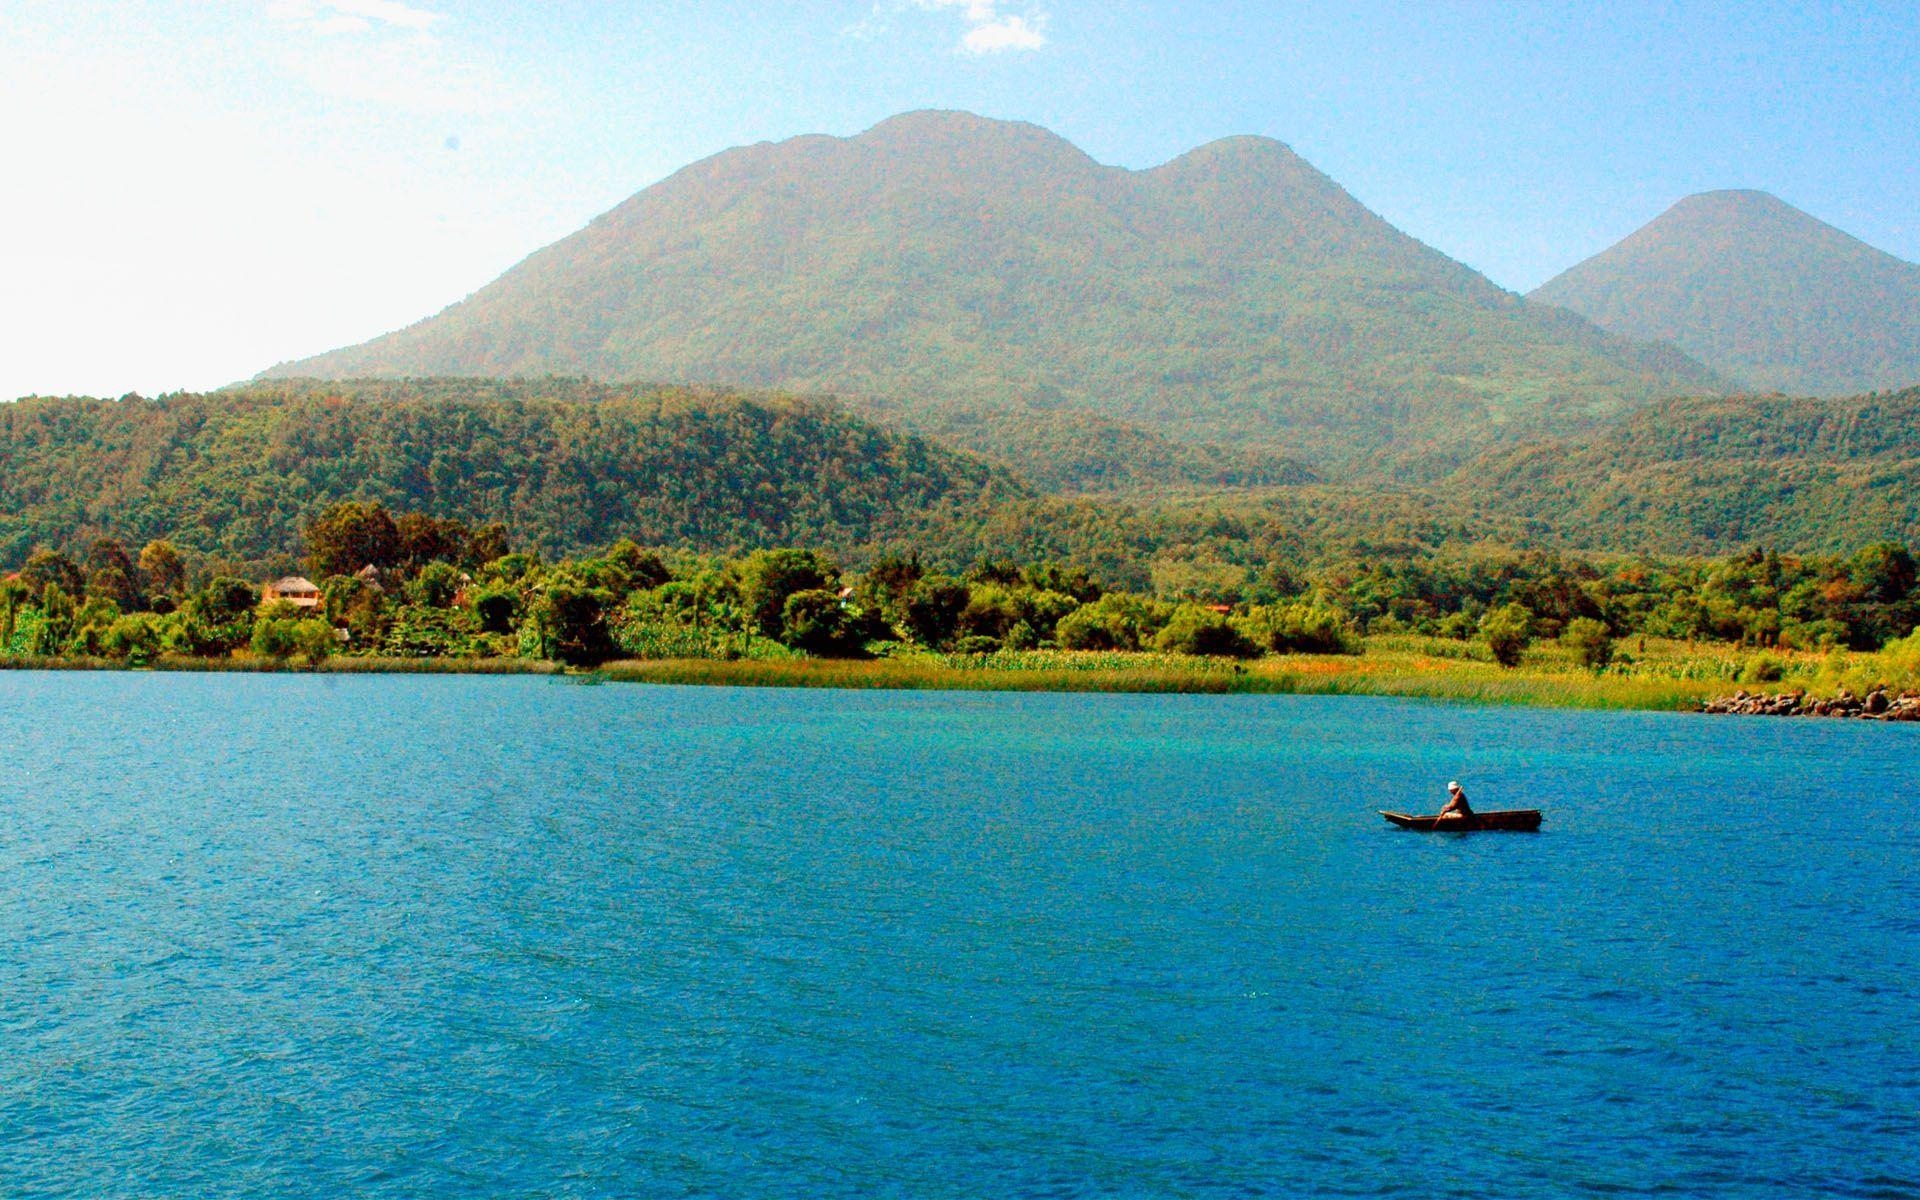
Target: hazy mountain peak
[(1759, 289)]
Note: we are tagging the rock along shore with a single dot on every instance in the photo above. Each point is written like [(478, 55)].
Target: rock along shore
[(1876, 705)]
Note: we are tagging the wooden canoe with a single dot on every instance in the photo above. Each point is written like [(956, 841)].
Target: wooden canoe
[(1522, 819)]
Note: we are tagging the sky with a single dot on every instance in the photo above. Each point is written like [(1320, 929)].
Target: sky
[(194, 190)]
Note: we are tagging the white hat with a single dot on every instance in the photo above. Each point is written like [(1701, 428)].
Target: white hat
[(1453, 786)]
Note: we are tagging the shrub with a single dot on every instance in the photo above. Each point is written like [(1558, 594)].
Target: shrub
[(275, 638), (1763, 668)]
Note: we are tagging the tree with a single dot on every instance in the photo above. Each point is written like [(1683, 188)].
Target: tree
[(1070, 581), (767, 577), (818, 622), (134, 638), (166, 575), (495, 609), (933, 608), (885, 586), (435, 586), (423, 539), (1196, 630), (645, 569), (49, 568), (1589, 641), (489, 542), (568, 623), (275, 638), (349, 536), (111, 573), (1116, 621), (1508, 631)]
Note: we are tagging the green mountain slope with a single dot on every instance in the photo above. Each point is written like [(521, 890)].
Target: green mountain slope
[(1721, 474), (567, 465), (1233, 293), (1074, 452), (1759, 290)]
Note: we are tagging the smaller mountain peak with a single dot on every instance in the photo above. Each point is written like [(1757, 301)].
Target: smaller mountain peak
[(1733, 205), (948, 127), (1245, 145)]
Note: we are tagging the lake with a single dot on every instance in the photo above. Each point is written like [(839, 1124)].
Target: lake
[(289, 935)]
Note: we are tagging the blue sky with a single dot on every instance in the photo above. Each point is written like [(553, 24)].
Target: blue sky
[(195, 189)]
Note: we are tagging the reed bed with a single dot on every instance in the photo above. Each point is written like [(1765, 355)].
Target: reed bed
[(1648, 674)]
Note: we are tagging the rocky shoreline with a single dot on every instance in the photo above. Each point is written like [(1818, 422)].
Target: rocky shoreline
[(1876, 705)]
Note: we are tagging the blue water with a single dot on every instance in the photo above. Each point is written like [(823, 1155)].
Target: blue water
[(417, 937)]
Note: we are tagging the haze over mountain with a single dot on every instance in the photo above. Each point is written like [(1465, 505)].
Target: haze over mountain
[(943, 258), (1760, 291)]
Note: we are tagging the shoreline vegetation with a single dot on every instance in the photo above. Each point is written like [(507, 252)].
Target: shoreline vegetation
[(416, 593), (1674, 677)]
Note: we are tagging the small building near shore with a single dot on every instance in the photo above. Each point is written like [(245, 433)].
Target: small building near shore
[(295, 590)]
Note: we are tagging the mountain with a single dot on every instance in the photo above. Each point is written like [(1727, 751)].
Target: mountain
[(1235, 293), (567, 465), (1720, 474), (1760, 291)]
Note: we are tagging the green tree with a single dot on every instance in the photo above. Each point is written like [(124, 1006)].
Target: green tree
[(644, 569), (1196, 630), (1589, 640), (436, 585), (424, 539), (349, 536), (134, 638), (165, 574), (1116, 621), (767, 577), (819, 622), (932, 611), (568, 623), (489, 542), (276, 638), (48, 568), (1507, 631), (495, 609)]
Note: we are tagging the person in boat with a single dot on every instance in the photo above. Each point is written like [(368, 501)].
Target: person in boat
[(1456, 806)]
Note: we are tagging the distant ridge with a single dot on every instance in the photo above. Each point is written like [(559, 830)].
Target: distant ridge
[(1720, 474), (1758, 290), (942, 258)]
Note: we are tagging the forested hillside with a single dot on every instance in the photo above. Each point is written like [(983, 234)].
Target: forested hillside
[(565, 464), (1235, 293), (1716, 474), (1760, 291), (1071, 451)]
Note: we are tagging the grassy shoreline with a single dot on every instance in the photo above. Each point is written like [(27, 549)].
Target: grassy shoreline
[(1667, 680)]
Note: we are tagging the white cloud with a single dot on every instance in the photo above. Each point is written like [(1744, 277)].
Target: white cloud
[(990, 30), (353, 16), (387, 54), (1003, 33)]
